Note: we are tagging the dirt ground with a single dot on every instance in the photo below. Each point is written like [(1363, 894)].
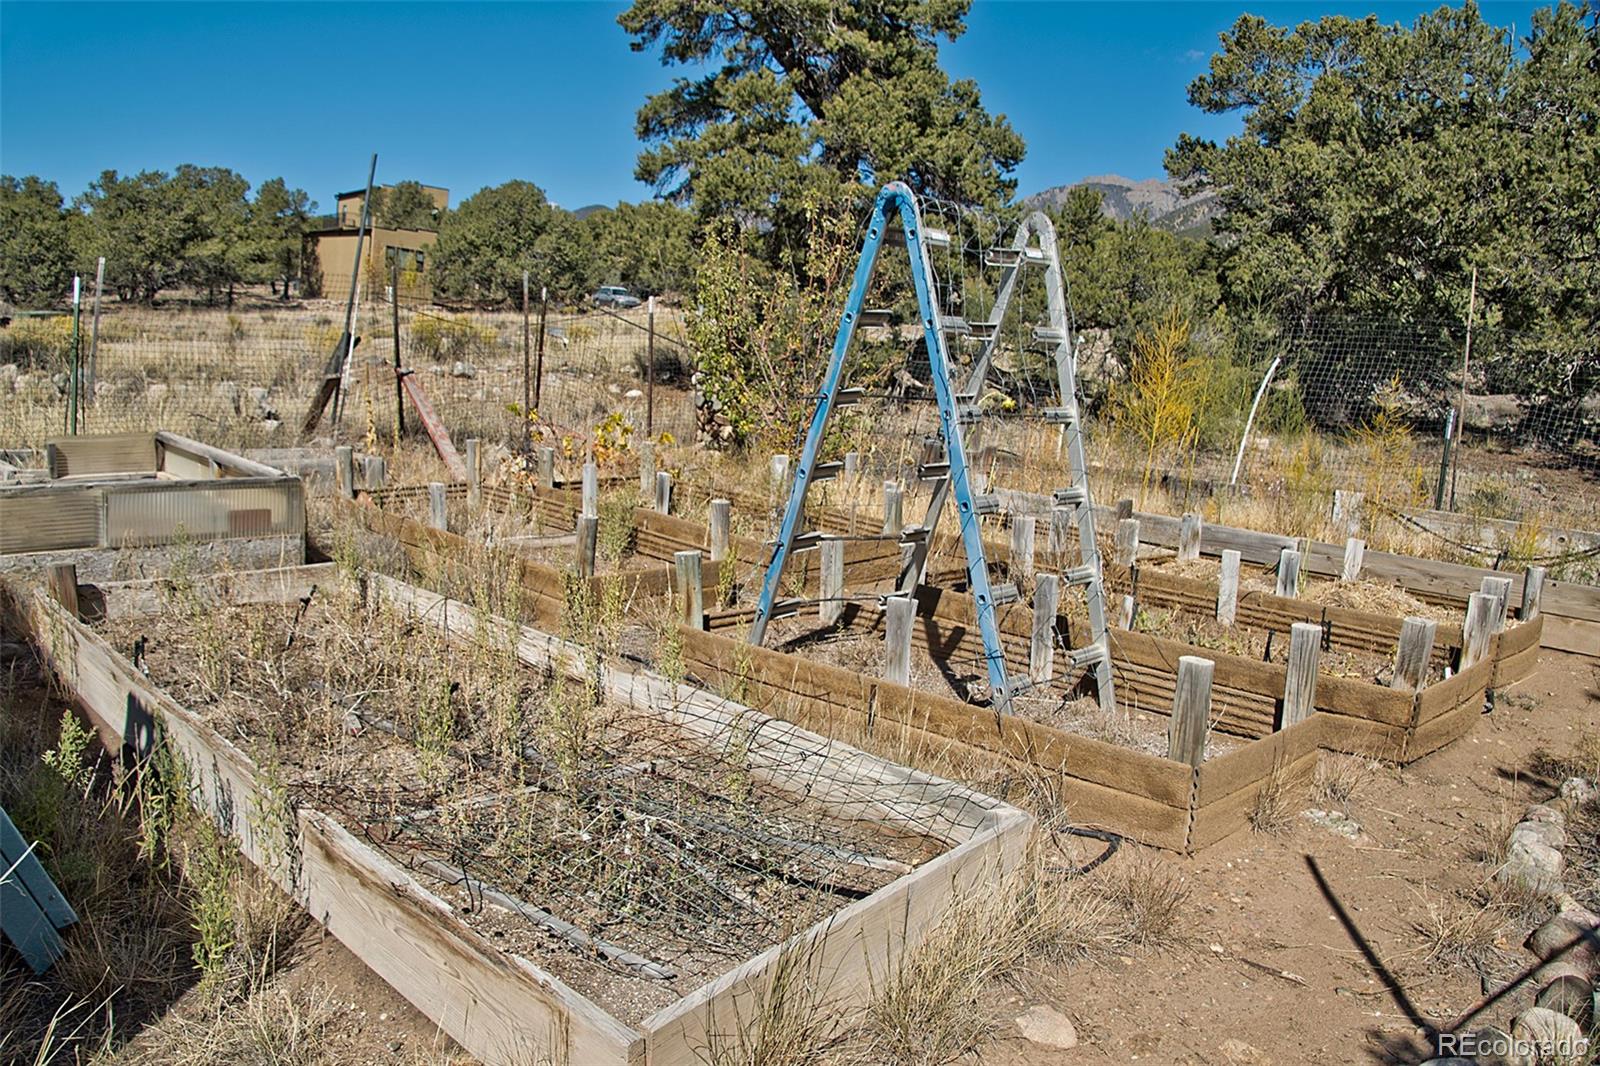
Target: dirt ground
[(1261, 915)]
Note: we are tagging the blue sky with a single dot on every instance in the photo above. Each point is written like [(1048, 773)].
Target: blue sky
[(469, 94)]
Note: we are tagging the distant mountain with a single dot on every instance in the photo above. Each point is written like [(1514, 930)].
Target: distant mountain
[(1161, 202), (586, 211)]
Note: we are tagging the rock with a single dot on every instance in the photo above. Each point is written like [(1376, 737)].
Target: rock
[(1047, 1027), (1335, 822), (1543, 812), (1546, 833), (156, 392), (1557, 936), (1550, 971), (258, 404), (1493, 1046), (1572, 996), (1556, 1038), (632, 394), (270, 426), (1577, 912), (1236, 1052), (462, 370), (1531, 865), (1578, 790)]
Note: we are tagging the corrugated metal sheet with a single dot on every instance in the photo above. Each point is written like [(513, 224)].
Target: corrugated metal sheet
[(111, 453), (45, 521), (163, 514)]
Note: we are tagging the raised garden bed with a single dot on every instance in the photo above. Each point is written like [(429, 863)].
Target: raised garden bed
[(365, 812)]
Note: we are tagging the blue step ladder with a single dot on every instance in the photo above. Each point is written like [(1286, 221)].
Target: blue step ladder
[(955, 412), (1034, 247)]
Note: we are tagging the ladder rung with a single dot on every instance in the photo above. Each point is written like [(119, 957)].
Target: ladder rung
[(1000, 595), (935, 238), (933, 471), (1089, 655), (874, 316), (1080, 575), (955, 324), (1048, 335), (985, 503), (846, 397), (969, 414), (804, 542), (1071, 496), (827, 471), (1061, 416), (1001, 257), (914, 534)]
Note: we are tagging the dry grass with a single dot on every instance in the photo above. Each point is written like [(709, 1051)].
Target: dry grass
[(275, 1026), (1339, 779), (791, 1022), (1273, 811)]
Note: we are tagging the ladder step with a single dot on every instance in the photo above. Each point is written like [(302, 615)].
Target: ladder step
[(955, 325), (969, 414), (1002, 257), (1090, 655), (827, 471), (1071, 496), (1000, 595), (1048, 335), (985, 503), (914, 534), (1080, 575), (1061, 416), (874, 316), (933, 471), (804, 542), (935, 238), (847, 397)]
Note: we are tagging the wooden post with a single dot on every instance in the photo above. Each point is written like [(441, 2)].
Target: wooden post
[(1042, 651), (474, 476), (1500, 589), (1300, 684), (375, 472), (1125, 615), (344, 470), (1412, 654), (663, 492), (1347, 511), (1191, 710), (588, 536), (891, 508), (1477, 628), (1124, 508), (852, 465), (1060, 534), (1532, 592), (1355, 552), (63, 585), (438, 515), (831, 574), (691, 588), (650, 367), (647, 467), (721, 521), (1022, 527), (591, 489), (1127, 541), (547, 468), (1228, 588), (897, 638), (90, 369), (1189, 537), (1288, 573)]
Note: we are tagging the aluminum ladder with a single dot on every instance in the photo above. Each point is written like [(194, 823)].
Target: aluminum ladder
[(951, 470), (1020, 255)]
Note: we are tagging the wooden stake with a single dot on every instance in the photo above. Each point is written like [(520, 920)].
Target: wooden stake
[(1191, 710), (1022, 530), (1125, 615), (1288, 573), (588, 537), (663, 492), (897, 639), (891, 508), (647, 468), (591, 489), (721, 521), (1412, 654), (1060, 534), (438, 515), (831, 575), (1127, 541), (547, 468), (1124, 508), (1500, 589), (1042, 650), (691, 588), (474, 477), (1189, 537), (63, 584), (1477, 628), (1228, 587), (344, 470), (1355, 551), (1532, 592), (1300, 685)]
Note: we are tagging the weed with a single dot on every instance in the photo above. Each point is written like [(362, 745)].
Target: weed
[(1339, 779), (210, 869), (1273, 811), (616, 530), (789, 1022)]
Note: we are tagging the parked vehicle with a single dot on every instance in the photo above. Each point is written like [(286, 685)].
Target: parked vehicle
[(615, 296)]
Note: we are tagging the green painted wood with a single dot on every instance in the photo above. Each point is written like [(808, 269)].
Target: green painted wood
[(31, 907)]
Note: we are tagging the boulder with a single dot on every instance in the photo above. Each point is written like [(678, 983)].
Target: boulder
[(1493, 1046), (1532, 866), (1547, 833), (462, 370), (1543, 812), (1572, 996), (1578, 790), (1555, 1037), (1564, 937)]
